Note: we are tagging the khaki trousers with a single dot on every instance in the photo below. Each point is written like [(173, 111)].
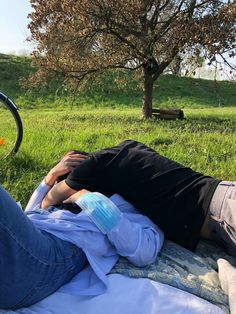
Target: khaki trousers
[(222, 216)]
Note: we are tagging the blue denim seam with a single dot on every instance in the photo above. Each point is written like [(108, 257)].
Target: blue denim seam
[(34, 290), (4, 227)]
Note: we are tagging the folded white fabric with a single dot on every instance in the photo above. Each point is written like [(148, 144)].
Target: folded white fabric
[(127, 296)]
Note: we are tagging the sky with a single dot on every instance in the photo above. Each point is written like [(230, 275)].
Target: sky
[(13, 26)]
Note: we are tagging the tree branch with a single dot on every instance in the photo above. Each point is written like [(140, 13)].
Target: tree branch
[(226, 62)]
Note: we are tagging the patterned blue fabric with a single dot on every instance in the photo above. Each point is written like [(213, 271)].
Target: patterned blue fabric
[(195, 273)]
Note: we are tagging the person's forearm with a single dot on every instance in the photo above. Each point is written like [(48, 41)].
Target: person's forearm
[(51, 179), (41, 191), (139, 242), (57, 194)]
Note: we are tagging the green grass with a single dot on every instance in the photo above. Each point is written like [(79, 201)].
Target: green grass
[(205, 141), (107, 90)]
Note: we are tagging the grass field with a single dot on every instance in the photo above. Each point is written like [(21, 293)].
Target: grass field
[(107, 91), (206, 140)]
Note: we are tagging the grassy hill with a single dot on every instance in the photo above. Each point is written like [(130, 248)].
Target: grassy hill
[(170, 91), (106, 114)]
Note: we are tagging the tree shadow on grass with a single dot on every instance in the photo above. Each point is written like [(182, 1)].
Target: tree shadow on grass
[(209, 124), (203, 124), (163, 141), (14, 167), (20, 175)]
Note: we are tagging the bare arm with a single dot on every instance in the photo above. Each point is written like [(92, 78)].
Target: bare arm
[(58, 193), (61, 191)]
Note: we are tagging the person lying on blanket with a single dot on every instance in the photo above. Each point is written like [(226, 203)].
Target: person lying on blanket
[(41, 250), (185, 204)]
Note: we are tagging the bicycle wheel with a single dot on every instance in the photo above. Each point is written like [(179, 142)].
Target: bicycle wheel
[(11, 130)]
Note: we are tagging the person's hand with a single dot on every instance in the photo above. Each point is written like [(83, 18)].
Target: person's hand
[(75, 196), (65, 165)]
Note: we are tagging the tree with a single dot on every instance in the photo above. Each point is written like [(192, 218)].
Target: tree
[(186, 64), (80, 39)]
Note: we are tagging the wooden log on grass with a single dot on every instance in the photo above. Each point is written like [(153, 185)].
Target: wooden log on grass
[(167, 113)]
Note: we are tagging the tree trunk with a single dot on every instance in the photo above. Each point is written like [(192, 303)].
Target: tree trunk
[(147, 97)]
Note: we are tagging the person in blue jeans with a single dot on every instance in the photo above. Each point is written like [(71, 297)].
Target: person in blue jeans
[(41, 250), (33, 262)]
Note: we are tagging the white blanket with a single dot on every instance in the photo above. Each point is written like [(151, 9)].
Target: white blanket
[(124, 296)]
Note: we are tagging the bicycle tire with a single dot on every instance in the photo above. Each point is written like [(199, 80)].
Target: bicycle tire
[(13, 109)]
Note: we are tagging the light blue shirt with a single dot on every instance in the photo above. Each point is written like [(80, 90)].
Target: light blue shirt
[(134, 237)]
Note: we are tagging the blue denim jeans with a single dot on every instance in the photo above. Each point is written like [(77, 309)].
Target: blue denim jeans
[(33, 263)]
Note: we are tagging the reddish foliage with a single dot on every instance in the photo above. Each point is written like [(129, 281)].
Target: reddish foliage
[(78, 39)]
